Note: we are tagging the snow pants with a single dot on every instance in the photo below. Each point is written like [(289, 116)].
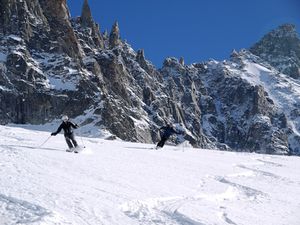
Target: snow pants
[(70, 139), (161, 143)]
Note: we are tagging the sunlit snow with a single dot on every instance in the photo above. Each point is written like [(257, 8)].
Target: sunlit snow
[(115, 183)]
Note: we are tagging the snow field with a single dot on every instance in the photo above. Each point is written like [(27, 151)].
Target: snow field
[(114, 182)]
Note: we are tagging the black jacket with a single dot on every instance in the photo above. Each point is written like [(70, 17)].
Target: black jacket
[(167, 131), (67, 127)]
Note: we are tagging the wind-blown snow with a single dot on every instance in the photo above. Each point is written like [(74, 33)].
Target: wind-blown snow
[(115, 183)]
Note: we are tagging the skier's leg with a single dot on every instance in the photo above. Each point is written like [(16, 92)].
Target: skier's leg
[(73, 140), (69, 142), (163, 141), (159, 143)]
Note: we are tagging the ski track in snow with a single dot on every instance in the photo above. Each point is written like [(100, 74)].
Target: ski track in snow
[(167, 210), (115, 183), (19, 211)]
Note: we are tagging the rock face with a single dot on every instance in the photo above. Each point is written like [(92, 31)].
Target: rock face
[(86, 15), (86, 22), (281, 48), (51, 64), (114, 37), (15, 18), (61, 31)]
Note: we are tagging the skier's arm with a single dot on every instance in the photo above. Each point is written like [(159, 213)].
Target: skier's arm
[(177, 132), (58, 130), (74, 125)]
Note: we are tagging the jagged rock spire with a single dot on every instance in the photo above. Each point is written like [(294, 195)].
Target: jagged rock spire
[(114, 37), (140, 57), (234, 53), (87, 20), (86, 15), (181, 61), (105, 34)]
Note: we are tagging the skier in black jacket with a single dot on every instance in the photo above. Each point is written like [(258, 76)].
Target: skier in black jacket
[(67, 126), (165, 133)]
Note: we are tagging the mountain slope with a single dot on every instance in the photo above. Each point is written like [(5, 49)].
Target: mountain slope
[(51, 65), (113, 182)]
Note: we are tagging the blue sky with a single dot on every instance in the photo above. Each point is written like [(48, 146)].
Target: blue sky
[(198, 30)]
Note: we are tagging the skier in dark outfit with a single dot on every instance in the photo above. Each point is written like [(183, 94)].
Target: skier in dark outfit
[(67, 126), (165, 133)]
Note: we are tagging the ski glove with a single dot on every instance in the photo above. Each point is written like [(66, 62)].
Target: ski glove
[(53, 134)]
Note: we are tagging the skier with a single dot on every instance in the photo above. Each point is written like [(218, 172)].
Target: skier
[(67, 126), (165, 133)]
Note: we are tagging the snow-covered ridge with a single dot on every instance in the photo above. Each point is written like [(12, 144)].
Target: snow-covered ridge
[(115, 183), (281, 48), (283, 90)]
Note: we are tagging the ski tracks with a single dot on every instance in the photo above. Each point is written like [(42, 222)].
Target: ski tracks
[(192, 210), (158, 211), (20, 212)]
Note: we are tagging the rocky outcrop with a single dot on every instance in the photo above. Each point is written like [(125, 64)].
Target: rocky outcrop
[(114, 37), (140, 58), (281, 48), (86, 15), (181, 61), (246, 113), (15, 18), (61, 31), (86, 22), (34, 56)]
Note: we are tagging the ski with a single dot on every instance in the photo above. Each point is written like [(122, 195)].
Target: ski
[(78, 149)]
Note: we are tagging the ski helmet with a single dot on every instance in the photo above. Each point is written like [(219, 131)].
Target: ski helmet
[(65, 118)]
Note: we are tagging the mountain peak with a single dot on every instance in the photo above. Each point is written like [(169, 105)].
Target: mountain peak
[(114, 37), (281, 49), (285, 30), (86, 15)]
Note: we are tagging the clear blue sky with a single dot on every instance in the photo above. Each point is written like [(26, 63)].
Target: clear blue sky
[(195, 29)]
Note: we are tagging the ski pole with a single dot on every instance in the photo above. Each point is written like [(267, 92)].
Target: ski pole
[(81, 138), (82, 141), (80, 133), (44, 142)]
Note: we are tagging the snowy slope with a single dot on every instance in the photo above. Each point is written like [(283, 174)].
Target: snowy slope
[(115, 183)]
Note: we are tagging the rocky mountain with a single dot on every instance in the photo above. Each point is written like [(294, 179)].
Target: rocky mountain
[(281, 48), (51, 64)]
